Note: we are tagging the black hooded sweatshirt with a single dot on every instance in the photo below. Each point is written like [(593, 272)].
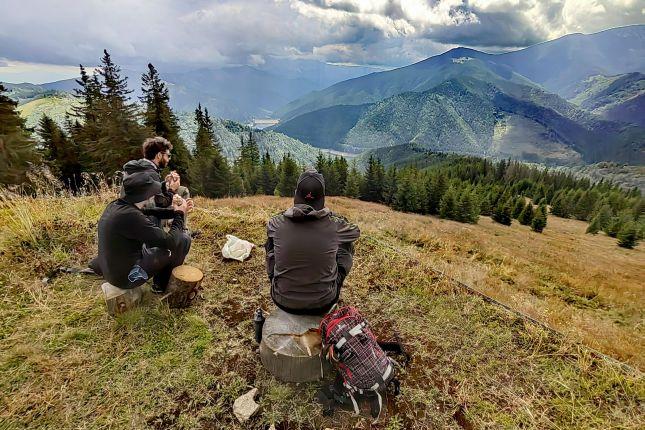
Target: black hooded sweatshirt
[(162, 200), (122, 230), (306, 249)]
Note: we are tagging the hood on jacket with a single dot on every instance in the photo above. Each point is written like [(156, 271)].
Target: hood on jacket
[(303, 212), (141, 165)]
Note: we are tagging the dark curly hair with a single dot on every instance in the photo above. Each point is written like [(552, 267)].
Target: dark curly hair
[(154, 145)]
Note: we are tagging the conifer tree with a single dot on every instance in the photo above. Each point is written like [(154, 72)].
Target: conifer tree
[(209, 172), (161, 121), (288, 176), (466, 208), (438, 187), (247, 166), (341, 171), (448, 204), (485, 206), (518, 207), (390, 185), (559, 205), (353, 186), (17, 150), (268, 176), (539, 219), (526, 216), (110, 135), (406, 198), (502, 212), (374, 180), (628, 235), (61, 153)]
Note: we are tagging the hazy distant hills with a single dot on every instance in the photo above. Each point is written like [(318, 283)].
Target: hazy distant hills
[(508, 105), (227, 132), (617, 98), (236, 92)]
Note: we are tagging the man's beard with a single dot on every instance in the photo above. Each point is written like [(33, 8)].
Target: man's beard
[(162, 164)]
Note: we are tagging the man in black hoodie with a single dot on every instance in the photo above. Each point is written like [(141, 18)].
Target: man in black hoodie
[(132, 248), (156, 156), (309, 251)]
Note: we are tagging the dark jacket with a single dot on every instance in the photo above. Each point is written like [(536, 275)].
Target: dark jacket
[(122, 231), (162, 200), (307, 252)]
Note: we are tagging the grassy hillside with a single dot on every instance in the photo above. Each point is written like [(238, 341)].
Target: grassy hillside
[(617, 98), (65, 364), (470, 116), (55, 106), (324, 128)]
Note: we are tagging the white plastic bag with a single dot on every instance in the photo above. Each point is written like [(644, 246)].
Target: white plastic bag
[(236, 248)]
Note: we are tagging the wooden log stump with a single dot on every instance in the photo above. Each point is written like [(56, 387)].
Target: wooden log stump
[(119, 300), (183, 286), (290, 347)]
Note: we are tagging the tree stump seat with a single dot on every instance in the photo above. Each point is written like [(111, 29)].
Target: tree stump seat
[(119, 300), (290, 347), (183, 286)]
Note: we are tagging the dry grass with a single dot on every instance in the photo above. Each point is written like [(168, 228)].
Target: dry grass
[(65, 364), (580, 284)]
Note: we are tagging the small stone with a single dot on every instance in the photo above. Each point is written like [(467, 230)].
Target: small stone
[(45, 281), (245, 407), (272, 427)]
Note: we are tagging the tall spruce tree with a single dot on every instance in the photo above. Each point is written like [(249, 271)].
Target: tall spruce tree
[(526, 216), (502, 212), (448, 204), (353, 185), (111, 134), (287, 177), (406, 198), (628, 235), (17, 150), (161, 120), (61, 153), (374, 180), (209, 172), (438, 187), (268, 176), (390, 185), (467, 210), (539, 219), (518, 207)]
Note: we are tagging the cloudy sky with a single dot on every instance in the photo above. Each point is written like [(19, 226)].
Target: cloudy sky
[(44, 40)]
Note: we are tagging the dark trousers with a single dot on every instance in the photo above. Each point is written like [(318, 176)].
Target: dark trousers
[(159, 262), (319, 310)]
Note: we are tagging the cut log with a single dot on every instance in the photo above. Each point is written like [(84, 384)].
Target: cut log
[(290, 347), (183, 286), (119, 300)]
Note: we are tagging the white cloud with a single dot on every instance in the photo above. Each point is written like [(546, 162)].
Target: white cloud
[(192, 33)]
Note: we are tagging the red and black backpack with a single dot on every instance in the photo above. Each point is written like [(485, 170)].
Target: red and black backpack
[(365, 368)]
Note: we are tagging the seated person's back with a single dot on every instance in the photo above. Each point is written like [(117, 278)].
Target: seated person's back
[(309, 251), (129, 238)]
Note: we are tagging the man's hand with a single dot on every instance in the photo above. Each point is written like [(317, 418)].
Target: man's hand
[(190, 204), (180, 204), (173, 181)]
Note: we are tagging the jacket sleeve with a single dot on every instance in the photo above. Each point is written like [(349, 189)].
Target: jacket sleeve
[(142, 228), (270, 250), (347, 234), (164, 199), (161, 213)]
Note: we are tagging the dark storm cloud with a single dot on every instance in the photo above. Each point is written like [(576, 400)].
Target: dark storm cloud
[(195, 33)]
